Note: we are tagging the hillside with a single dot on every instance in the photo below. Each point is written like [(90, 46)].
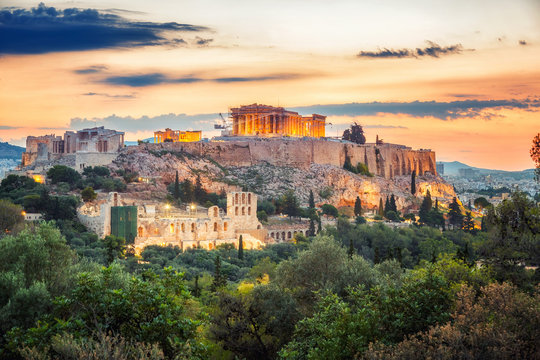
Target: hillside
[(330, 184), (8, 151), (452, 168)]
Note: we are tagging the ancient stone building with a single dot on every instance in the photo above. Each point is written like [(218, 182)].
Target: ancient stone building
[(89, 147), (177, 136), (264, 120), (160, 224)]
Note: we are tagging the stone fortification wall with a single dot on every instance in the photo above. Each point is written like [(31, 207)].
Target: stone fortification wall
[(386, 160), (85, 159)]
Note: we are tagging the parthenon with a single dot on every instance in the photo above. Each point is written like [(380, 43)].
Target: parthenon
[(264, 120), (176, 136)]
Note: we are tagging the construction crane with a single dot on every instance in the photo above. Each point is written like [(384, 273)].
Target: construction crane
[(222, 125)]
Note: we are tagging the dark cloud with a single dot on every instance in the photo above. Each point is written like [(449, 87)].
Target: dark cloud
[(141, 80), (149, 123), (202, 42), (120, 97), (432, 50), (47, 29), (91, 69), (5, 127), (440, 110), (522, 42)]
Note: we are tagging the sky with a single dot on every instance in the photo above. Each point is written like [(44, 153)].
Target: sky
[(459, 77)]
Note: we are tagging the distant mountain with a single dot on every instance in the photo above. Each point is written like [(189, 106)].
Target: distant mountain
[(452, 168), (8, 151)]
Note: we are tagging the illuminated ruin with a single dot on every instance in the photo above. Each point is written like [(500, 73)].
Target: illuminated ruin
[(176, 136), (264, 120)]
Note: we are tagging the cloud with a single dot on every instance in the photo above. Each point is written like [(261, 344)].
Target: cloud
[(380, 126), (432, 50), (127, 96), (5, 127), (148, 123), (522, 42), (440, 110), (141, 80), (47, 29), (91, 69), (202, 42)]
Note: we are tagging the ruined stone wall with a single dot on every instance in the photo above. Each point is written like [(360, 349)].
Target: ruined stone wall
[(85, 159), (386, 160)]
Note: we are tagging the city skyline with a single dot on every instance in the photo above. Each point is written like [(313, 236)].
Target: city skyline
[(459, 78)]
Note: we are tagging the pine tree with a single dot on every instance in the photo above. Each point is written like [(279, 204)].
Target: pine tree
[(311, 200), (468, 222), (311, 230), (219, 279), (358, 207), (241, 248), (413, 182), (381, 207), (351, 248), (176, 187)]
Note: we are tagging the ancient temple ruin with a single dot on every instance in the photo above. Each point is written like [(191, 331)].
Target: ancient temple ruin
[(264, 120), (177, 136)]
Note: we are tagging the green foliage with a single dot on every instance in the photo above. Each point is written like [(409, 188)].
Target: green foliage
[(468, 222), (188, 192), (240, 248), (61, 173), (326, 193), (176, 192), (330, 210), (88, 194), (455, 217), (358, 207), (481, 202), (288, 204), (535, 154), (262, 216), (267, 206), (115, 247), (425, 208), (413, 182), (96, 171), (15, 187), (354, 134), (11, 218), (311, 201), (220, 280)]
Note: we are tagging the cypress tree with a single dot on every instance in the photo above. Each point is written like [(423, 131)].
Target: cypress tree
[(196, 287), (200, 193), (176, 187), (358, 207), (437, 204), (187, 191), (319, 226), (425, 208), (386, 206), (393, 206), (413, 182), (219, 279), (351, 248), (241, 248), (311, 230), (381, 208), (311, 200), (454, 214)]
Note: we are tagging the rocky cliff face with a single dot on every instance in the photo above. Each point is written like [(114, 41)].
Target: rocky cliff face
[(330, 184)]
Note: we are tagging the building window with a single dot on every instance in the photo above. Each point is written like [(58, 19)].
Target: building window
[(172, 228), (216, 212), (215, 226), (140, 231), (249, 210), (224, 226), (243, 198), (283, 235), (192, 227), (243, 210), (289, 235), (236, 198), (236, 211), (249, 198), (183, 226)]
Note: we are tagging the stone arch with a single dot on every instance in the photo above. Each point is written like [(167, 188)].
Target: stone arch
[(236, 211), (249, 198), (243, 211), (216, 212), (215, 226), (192, 227), (409, 167), (140, 231), (396, 165), (225, 226), (403, 166), (294, 233), (289, 235), (183, 227), (283, 235), (249, 210), (272, 234), (171, 228), (243, 198), (420, 168), (206, 227), (236, 198), (258, 226)]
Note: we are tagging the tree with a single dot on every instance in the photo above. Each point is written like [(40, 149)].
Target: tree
[(176, 193), (413, 182), (425, 208), (351, 248), (392, 204), (311, 230), (115, 247), (386, 205), (481, 202), (311, 200), (330, 210), (455, 217), (199, 191), (11, 218), (187, 195), (381, 208), (358, 206), (289, 204), (240, 248), (88, 194), (468, 222), (219, 279), (354, 134), (535, 154), (61, 173), (347, 165)]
